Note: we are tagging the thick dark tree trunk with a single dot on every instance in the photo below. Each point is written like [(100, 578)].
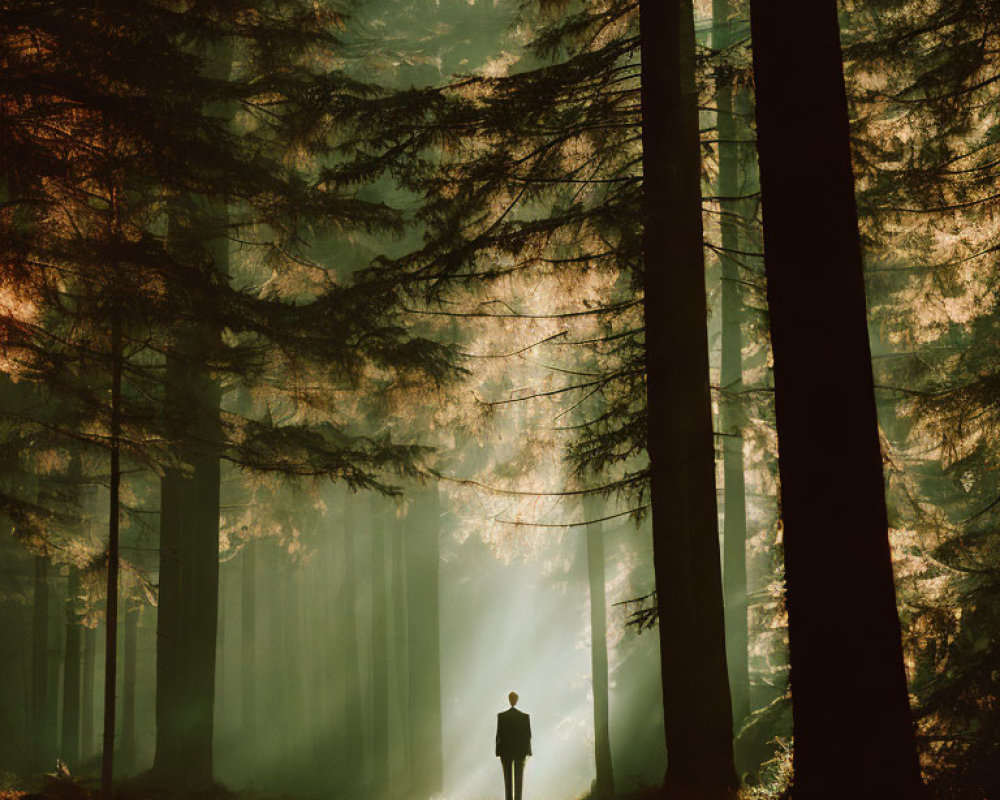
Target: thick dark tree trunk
[(424, 637), (731, 131), (70, 739), (849, 693), (380, 652), (41, 746), (189, 580), (696, 705), (188, 613), (188, 608), (604, 784)]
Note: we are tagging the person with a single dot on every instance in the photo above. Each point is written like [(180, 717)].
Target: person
[(513, 747)]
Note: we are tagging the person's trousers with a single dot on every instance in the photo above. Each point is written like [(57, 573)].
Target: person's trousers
[(513, 777)]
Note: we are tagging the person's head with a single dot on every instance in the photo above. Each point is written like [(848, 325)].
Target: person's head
[(513, 698)]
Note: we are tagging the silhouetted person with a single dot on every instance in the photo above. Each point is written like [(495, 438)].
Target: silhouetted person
[(513, 746)]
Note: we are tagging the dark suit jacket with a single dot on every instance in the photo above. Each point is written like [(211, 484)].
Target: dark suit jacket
[(513, 734)]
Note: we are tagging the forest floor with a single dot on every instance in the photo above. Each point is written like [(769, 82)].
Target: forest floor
[(53, 787)]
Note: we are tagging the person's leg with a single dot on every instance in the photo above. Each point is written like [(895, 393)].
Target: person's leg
[(518, 778), (507, 764)]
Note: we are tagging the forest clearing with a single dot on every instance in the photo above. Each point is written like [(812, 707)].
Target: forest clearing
[(370, 366)]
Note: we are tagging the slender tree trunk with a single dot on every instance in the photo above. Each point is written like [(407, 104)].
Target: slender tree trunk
[(111, 616), (201, 603), (849, 693), (424, 643), (353, 716), (248, 646), (87, 699), (380, 652), (169, 627), (40, 751), (220, 649), (290, 720), (731, 417), (696, 704), (604, 787), (70, 744), (126, 750), (330, 746), (399, 654)]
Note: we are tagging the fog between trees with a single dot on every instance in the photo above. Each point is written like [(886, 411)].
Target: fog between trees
[(342, 325)]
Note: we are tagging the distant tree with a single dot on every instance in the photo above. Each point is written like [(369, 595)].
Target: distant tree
[(110, 160), (555, 195), (350, 648), (733, 130), (593, 508), (379, 651), (423, 555), (926, 151)]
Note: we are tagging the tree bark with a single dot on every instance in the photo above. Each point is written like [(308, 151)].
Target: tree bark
[(849, 693), (604, 786), (731, 417), (111, 615), (423, 602), (696, 704)]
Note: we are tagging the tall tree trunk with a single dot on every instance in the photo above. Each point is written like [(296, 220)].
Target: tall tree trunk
[(41, 748), (731, 416), (70, 739), (380, 652), (353, 715), (604, 786), (424, 643), (696, 704), (126, 750), (399, 654), (188, 612), (189, 582), (297, 718), (87, 699), (849, 693), (169, 630), (248, 646), (111, 615)]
